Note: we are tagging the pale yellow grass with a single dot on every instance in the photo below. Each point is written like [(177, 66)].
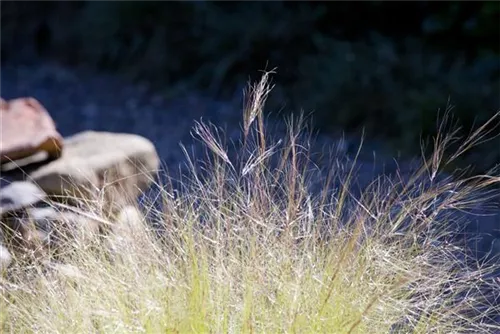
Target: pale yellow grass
[(246, 247)]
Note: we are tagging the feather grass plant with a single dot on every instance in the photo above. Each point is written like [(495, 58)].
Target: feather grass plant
[(247, 247)]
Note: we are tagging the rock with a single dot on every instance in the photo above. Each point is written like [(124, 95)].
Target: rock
[(19, 195), (66, 271), (20, 233), (60, 226), (27, 128), (94, 165), (129, 222), (24, 239), (15, 199), (42, 230), (5, 258), (128, 231), (77, 227)]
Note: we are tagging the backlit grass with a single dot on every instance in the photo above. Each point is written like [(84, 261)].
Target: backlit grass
[(245, 246)]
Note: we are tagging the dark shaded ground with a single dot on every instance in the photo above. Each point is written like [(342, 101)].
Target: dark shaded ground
[(386, 67)]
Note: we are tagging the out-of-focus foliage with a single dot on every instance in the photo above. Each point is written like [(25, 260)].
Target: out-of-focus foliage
[(384, 66), (396, 93)]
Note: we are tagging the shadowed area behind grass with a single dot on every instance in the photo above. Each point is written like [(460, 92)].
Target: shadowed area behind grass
[(387, 67), (245, 247)]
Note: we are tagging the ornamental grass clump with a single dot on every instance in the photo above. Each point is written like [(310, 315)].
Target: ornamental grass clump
[(245, 244)]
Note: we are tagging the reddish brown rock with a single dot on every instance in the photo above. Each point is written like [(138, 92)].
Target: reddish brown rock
[(26, 128)]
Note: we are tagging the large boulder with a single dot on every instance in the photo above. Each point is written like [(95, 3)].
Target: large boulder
[(112, 168), (26, 128)]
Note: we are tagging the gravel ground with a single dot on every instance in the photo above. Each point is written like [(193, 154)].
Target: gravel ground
[(80, 99)]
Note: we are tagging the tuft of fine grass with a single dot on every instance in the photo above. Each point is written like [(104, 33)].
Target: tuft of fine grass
[(246, 246)]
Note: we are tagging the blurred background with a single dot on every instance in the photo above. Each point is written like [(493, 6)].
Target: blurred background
[(385, 67)]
